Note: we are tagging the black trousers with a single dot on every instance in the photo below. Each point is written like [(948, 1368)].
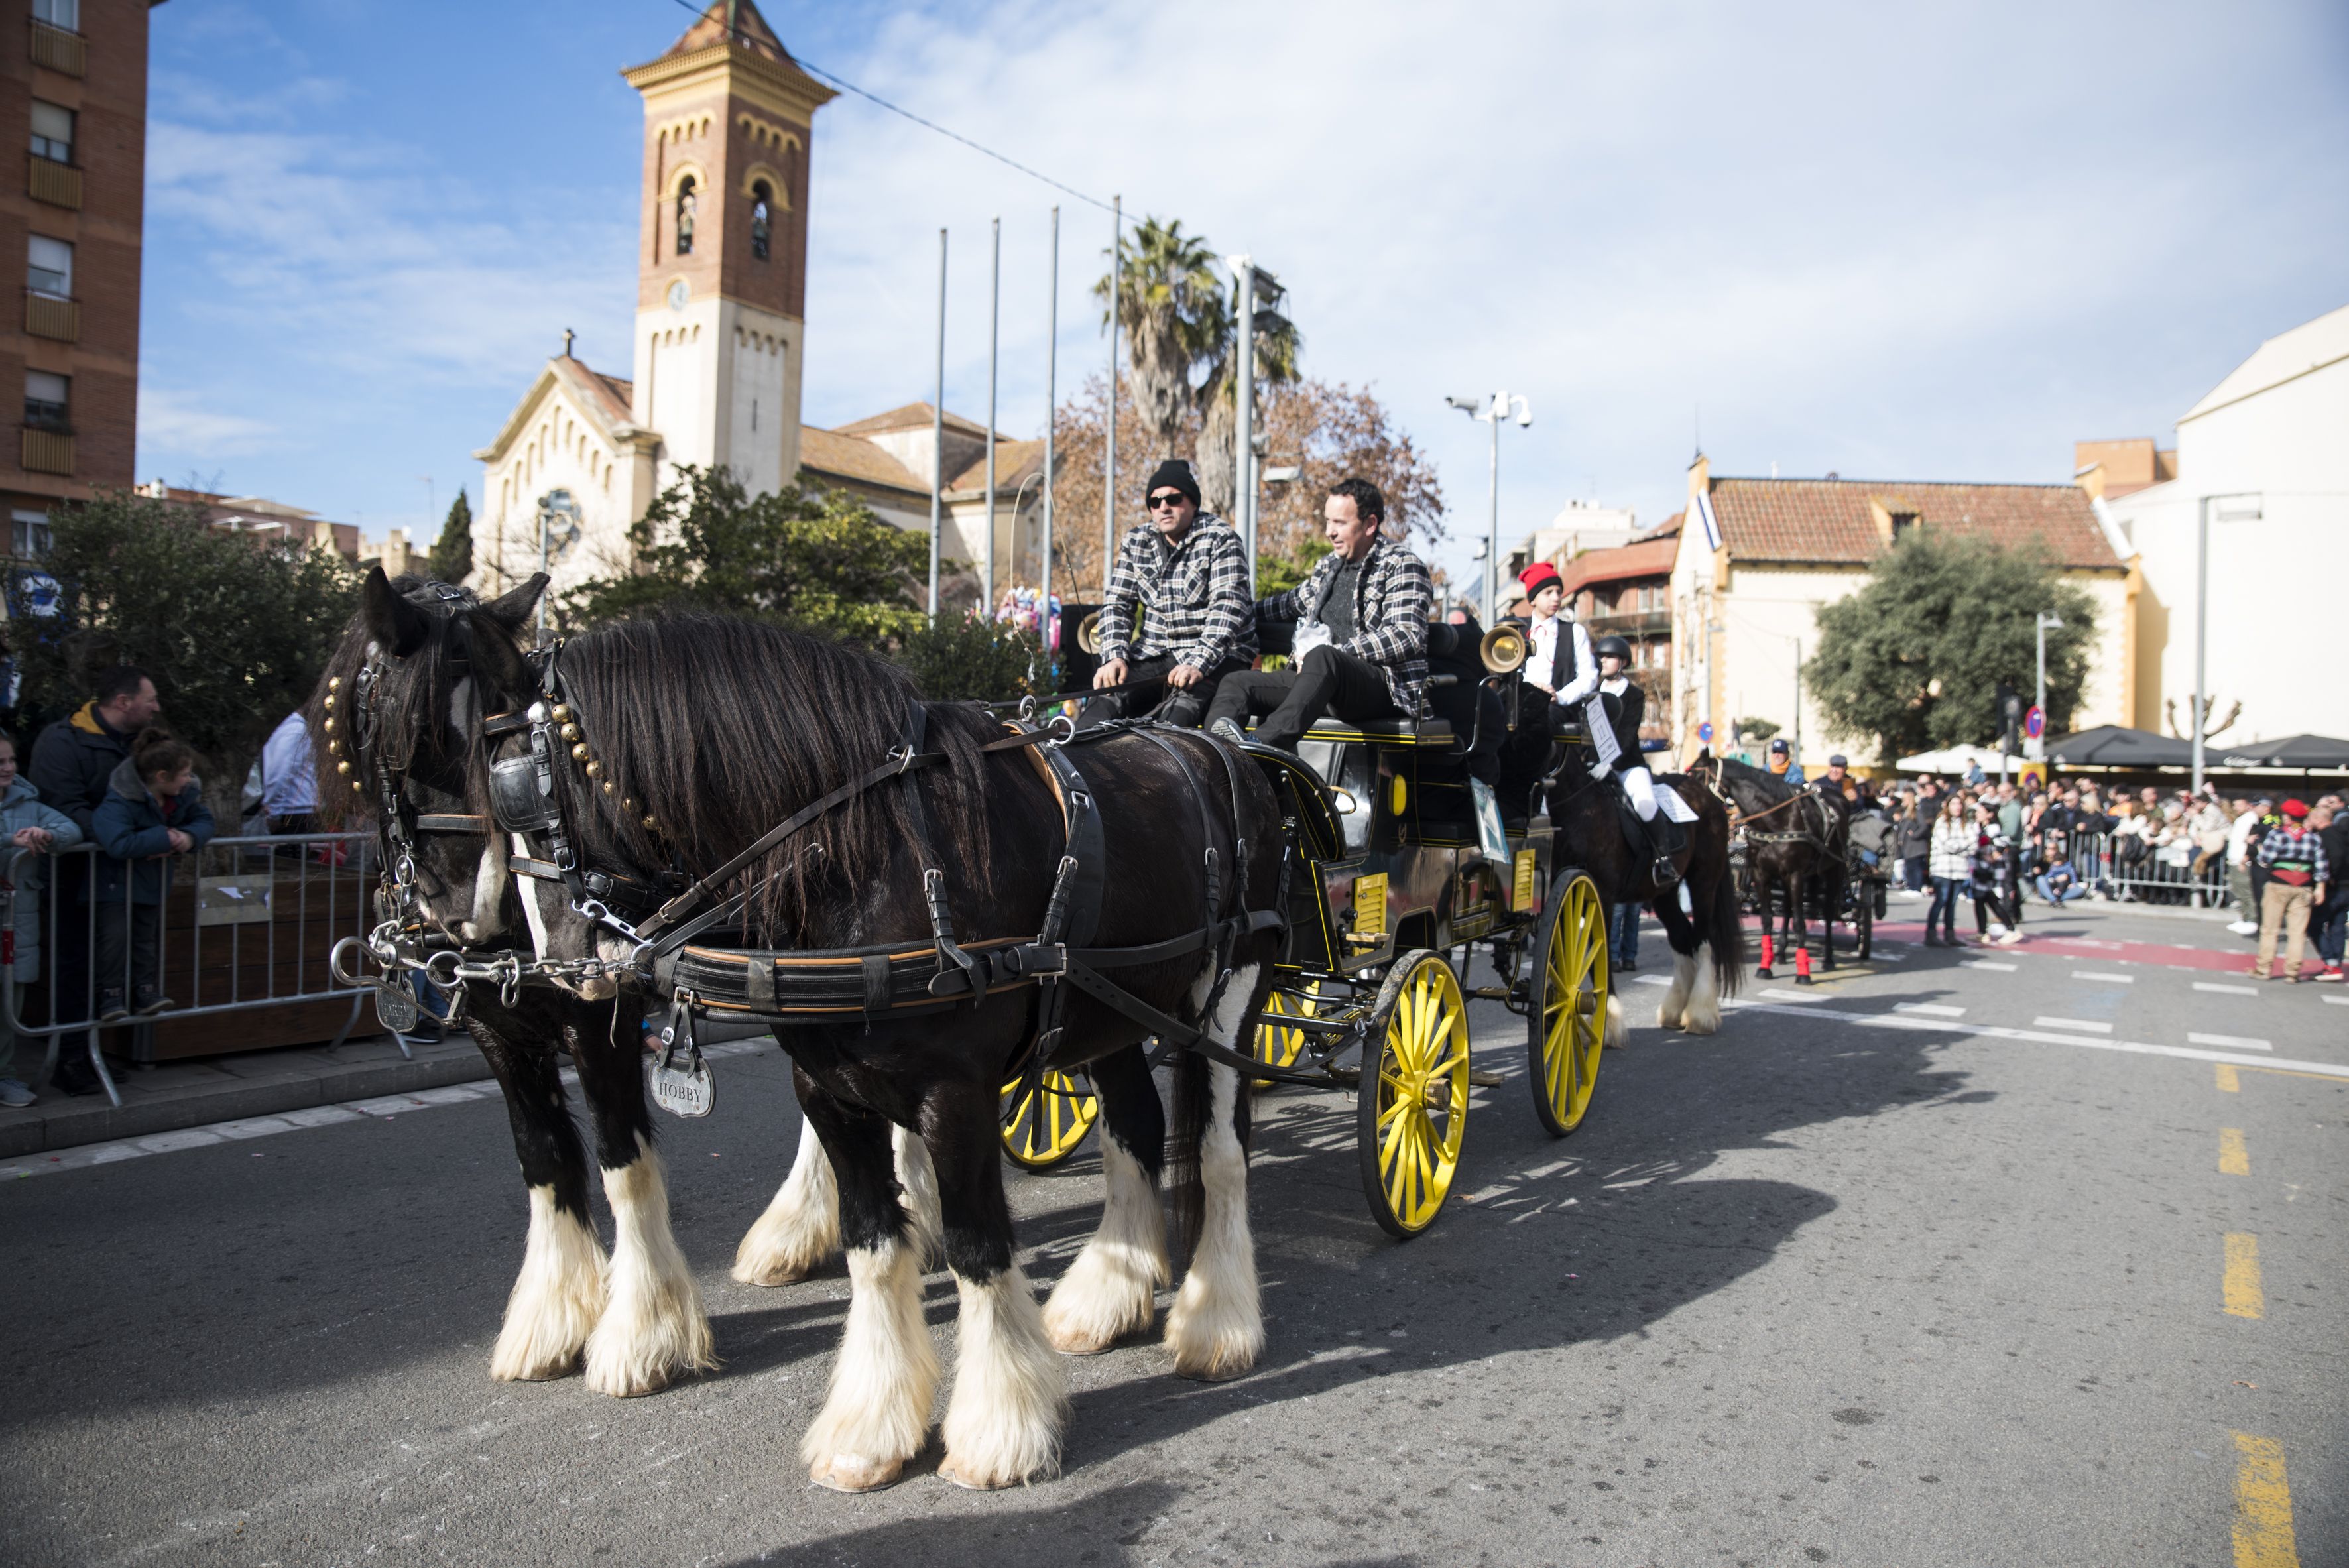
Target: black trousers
[(1351, 690), (1148, 693), (1524, 756)]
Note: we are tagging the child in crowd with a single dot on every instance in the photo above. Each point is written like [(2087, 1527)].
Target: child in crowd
[(25, 824), (154, 808)]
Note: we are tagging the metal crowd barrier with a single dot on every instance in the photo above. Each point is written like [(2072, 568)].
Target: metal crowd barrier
[(246, 923), (2105, 867)]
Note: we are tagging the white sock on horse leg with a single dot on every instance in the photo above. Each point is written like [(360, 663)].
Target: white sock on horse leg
[(1216, 1327), (918, 1179), (1111, 1291), (1675, 1003), (799, 1230), (1703, 1014), (653, 1326), (556, 1299), (1010, 1395), (877, 1415)]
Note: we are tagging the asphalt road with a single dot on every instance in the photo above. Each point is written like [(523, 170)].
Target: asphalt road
[(1839, 1284)]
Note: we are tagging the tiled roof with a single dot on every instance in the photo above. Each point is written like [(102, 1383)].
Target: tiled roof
[(605, 395), (1648, 558), (916, 416), (846, 456), (710, 30), (1833, 521), (1015, 461)]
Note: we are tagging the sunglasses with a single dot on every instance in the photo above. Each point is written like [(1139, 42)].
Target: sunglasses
[(1170, 497)]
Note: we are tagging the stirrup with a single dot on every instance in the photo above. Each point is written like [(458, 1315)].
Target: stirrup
[(1664, 873)]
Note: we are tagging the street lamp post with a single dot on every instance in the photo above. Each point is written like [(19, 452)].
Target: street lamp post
[(1493, 414), (558, 530), (2242, 507), (2035, 747), (1243, 384), (1051, 417)]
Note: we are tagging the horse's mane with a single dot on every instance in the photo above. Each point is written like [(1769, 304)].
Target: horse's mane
[(1760, 778), (720, 727)]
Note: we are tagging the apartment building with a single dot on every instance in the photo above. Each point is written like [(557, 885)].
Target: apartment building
[(73, 74)]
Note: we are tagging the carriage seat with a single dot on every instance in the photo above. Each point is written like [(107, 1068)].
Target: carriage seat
[(1385, 731)]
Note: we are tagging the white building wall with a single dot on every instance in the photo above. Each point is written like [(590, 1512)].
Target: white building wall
[(559, 448), (2272, 629)]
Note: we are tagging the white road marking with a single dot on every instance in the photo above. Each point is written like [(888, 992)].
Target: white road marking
[(2104, 974), (1986, 964), (2338, 1001), (1780, 994), (2004, 1032), (1650, 980), (383, 1108), (2239, 1042), (2089, 1025), (2226, 990), (1929, 1009)]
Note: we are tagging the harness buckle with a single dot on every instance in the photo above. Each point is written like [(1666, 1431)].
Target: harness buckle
[(1043, 960)]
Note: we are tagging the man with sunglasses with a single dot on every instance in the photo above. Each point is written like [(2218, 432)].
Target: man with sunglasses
[(1186, 571)]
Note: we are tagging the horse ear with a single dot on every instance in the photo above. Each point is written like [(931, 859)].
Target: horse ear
[(496, 654), (513, 607), (399, 627)]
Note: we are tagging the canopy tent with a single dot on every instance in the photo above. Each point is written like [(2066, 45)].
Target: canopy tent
[(2110, 745), (2299, 753), (1956, 759)]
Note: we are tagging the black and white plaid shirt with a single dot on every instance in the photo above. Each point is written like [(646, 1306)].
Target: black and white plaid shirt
[(1393, 593), (1196, 595)]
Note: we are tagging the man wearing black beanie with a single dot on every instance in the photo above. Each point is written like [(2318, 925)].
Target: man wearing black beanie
[(1187, 571)]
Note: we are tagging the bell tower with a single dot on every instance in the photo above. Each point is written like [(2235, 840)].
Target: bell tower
[(722, 265)]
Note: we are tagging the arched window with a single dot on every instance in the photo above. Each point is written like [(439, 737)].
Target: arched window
[(685, 206), (763, 206)]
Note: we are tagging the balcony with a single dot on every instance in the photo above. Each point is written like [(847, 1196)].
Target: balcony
[(47, 316), (49, 451), (1632, 623), (59, 50), (59, 184)]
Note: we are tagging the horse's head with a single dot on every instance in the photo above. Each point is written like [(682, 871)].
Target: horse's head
[(1749, 788), (395, 728)]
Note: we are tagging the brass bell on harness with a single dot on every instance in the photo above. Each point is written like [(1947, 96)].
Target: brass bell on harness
[(570, 732), (650, 825), (607, 787), (330, 725), (594, 770), (333, 747), (563, 716), (334, 683), (628, 802), (343, 768), (579, 752), (330, 703)]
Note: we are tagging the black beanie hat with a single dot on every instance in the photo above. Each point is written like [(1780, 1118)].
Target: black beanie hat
[(1171, 474)]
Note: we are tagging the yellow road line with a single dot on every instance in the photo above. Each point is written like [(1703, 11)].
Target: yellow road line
[(2227, 1082), (2287, 1072), (2263, 1537), (2245, 1298), (2234, 1160)]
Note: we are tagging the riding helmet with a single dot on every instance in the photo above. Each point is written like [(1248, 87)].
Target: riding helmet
[(1615, 645)]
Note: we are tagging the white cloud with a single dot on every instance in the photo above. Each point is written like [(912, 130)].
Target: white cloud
[(176, 423)]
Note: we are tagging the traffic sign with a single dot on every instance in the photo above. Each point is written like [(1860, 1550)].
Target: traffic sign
[(1705, 732), (2034, 723)]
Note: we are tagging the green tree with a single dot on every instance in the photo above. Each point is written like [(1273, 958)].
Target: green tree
[(1912, 661), (453, 552), (233, 631), (962, 659), (810, 557)]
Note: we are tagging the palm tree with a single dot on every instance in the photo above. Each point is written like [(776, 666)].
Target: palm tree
[(1171, 307)]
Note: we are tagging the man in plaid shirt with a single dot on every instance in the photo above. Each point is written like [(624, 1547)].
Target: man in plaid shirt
[(1188, 572), (2297, 873), (1362, 636)]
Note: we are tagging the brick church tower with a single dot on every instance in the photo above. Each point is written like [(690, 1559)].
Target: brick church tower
[(721, 264)]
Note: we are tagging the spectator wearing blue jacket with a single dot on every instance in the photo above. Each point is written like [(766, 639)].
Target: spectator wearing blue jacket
[(25, 824), (154, 808)]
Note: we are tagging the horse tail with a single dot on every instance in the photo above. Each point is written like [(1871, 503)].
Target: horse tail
[(1725, 934), (1184, 1134)]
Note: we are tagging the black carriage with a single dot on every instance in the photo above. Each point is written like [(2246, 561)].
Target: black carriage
[(1391, 885)]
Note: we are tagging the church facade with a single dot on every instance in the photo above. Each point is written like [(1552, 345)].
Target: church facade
[(719, 344)]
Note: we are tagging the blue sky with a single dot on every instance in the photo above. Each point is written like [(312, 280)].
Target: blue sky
[(1891, 241)]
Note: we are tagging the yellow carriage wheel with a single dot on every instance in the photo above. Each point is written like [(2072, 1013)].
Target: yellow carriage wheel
[(1413, 1098), (1567, 1023), (1276, 1045), (1044, 1127)]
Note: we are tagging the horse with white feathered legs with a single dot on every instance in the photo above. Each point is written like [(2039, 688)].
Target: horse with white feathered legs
[(791, 789), (1707, 937)]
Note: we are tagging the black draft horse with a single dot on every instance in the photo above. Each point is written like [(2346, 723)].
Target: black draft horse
[(1707, 939), (1795, 839), (707, 732)]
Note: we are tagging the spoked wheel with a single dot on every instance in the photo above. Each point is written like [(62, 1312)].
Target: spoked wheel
[(1278, 1045), (1413, 1099), (1043, 1129), (1568, 1026)]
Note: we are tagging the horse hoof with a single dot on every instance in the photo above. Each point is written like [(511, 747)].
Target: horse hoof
[(848, 1472), (971, 1480)]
